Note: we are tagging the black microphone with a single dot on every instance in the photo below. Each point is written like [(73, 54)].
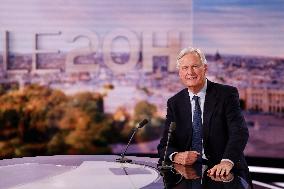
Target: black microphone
[(171, 129), (122, 158)]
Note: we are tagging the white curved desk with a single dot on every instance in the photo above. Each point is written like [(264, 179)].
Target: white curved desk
[(84, 172), (62, 172), (89, 175)]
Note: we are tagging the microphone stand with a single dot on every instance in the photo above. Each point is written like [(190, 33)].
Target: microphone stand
[(122, 158), (164, 164)]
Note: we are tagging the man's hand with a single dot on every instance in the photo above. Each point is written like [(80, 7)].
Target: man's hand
[(223, 168), (187, 172), (186, 158), (224, 178)]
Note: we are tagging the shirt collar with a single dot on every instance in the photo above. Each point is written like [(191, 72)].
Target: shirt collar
[(201, 93)]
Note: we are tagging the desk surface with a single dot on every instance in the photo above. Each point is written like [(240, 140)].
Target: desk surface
[(95, 172)]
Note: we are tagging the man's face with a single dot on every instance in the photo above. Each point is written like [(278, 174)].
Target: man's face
[(192, 72)]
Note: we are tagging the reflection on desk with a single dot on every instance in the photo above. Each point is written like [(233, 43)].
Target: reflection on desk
[(195, 177)]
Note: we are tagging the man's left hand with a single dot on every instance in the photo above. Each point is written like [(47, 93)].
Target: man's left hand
[(223, 168)]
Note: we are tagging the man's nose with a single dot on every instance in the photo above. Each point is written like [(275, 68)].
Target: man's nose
[(190, 71)]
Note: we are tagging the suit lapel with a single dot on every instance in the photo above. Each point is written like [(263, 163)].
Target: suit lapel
[(186, 111), (209, 105)]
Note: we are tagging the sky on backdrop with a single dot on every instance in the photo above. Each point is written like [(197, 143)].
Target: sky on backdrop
[(241, 27)]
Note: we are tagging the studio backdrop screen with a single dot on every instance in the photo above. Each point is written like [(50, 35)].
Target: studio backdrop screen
[(77, 76)]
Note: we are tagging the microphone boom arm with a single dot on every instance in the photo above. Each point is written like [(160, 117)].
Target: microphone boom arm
[(122, 158)]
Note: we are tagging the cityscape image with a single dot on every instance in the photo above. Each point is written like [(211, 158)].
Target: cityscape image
[(77, 76)]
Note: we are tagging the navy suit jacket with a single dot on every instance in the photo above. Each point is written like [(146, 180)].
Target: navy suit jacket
[(225, 133)]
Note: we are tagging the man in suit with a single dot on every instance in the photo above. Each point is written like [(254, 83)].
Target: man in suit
[(209, 121)]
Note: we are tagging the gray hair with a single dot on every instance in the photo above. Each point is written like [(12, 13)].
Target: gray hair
[(189, 50)]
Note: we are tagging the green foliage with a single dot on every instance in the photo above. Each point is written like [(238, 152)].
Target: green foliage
[(153, 129), (57, 144), (46, 121), (38, 120), (9, 118), (144, 109)]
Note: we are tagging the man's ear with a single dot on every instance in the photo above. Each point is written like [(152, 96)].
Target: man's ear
[(206, 68)]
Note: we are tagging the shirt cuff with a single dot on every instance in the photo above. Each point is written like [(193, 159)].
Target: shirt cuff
[(172, 155), (228, 161)]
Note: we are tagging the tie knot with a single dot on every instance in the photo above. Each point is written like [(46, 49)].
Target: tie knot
[(195, 98)]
